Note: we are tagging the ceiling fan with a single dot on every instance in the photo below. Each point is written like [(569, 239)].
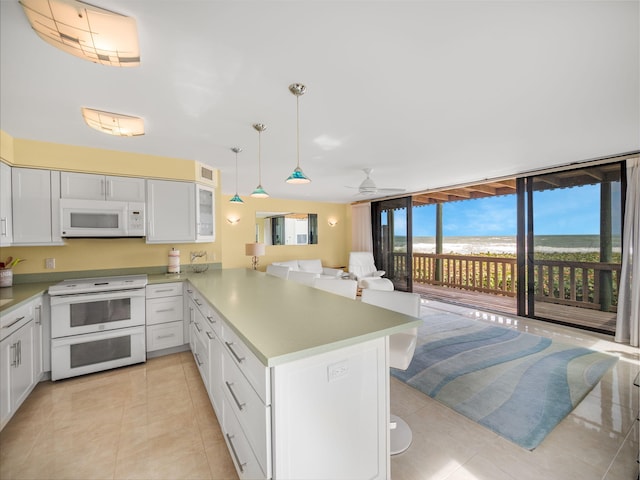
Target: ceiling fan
[(368, 186)]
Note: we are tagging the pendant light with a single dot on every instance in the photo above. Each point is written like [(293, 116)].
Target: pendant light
[(236, 198), (259, 191), (298, 175)]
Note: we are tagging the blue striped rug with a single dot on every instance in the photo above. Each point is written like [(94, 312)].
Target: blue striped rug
[(517, 384)]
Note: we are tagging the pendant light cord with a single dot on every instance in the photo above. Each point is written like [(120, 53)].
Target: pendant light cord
[(259, 158), (236, 173), (298, 129)]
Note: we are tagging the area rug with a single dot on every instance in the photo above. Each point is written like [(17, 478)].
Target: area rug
[(517, 384)]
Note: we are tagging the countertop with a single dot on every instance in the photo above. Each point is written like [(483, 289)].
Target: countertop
[(282, 321), (279, 320)]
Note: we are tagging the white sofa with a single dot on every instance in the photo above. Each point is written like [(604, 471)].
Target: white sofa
[(311, 266)]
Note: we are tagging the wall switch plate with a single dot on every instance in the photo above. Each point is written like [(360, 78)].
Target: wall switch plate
[(50, 263)]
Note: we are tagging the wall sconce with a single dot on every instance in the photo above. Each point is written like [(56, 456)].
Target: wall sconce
[(233, 220), (332, 222)]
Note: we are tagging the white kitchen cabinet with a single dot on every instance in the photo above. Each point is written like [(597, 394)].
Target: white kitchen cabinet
[(205, 214), (164, 316), (35, 206), (6, 224), (171, 211), (16, 360), (40, 339), (89, 186)]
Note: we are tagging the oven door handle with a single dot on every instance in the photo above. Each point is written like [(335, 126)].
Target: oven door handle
[(96, 296)]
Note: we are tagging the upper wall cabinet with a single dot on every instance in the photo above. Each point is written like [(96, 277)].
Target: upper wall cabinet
[(180, 212), (205, 214), (87, 186), (171, 211), (35, 197), (6, 235)]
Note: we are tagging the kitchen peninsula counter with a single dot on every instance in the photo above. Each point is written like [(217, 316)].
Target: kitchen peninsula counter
[(282, 321)]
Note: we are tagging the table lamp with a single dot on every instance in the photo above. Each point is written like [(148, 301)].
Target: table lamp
[(254, 250)]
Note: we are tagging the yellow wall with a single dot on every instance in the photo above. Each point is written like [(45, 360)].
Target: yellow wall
[(228, 249), (31, 153), (6, 147), (332, 241)]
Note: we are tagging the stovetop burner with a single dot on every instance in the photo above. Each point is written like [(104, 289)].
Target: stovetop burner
[(98, 284)]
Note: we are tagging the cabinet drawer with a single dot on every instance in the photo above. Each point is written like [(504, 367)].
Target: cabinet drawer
[(164, 290), (253, 415), (12, 321), (165, 335), (251, 367), (245, 461), (162, 310)]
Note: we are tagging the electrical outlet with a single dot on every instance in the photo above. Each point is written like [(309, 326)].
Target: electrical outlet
[(50, 263), (337, 370)]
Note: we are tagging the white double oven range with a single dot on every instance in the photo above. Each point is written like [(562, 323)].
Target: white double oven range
[(97, 324)]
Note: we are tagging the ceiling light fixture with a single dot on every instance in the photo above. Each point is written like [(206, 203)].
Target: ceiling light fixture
[(259, 191), (236, 198), (113, 123), (298, 175), (86, 31)]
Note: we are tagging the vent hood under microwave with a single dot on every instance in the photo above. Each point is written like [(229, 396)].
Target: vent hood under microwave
[(101, 218)]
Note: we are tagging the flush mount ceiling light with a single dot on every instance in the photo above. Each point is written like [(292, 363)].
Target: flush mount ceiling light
[(236, 198), (298, 175), (86, 31), (113, 123), (259, 191)]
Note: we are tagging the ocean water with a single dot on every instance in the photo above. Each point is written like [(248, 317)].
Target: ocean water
[(507, 244)]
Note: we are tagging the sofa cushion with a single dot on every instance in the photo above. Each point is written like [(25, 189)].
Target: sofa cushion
[(292, 264), (313, 266)]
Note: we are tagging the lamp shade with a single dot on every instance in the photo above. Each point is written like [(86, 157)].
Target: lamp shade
[(254, 249)]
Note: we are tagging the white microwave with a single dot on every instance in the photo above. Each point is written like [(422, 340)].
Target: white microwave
[(101, 218)]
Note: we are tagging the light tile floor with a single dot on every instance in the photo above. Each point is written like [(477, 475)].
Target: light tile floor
[(154, 421)]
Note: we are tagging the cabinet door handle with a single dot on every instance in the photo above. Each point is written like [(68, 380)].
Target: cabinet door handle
[(160, 337), (164, 310), (211, 320), (241, 465), (197, 302), (198, 327), (164, 290), (189, 291), (3, 222), (14, 354), (39, 315), (19, 353), (238, 358), (198, 359), (235, 398), (210, 335), (14, 322)]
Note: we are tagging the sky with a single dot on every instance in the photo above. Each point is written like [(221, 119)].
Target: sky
[(563, 211)]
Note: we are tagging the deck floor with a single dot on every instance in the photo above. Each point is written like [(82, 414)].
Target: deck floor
[(579, 317)]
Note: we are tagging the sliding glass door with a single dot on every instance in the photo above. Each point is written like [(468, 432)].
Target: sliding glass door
[(392, 240), (574, 246)]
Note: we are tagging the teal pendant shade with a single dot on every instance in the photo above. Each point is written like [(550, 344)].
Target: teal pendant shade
[(236, 198), (259, 192), (298, 176)]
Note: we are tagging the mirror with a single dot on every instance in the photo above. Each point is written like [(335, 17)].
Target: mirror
[(286, 228)]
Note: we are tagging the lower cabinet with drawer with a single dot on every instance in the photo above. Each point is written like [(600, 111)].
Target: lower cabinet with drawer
[(164, 316), (321, 416), (17, 362)]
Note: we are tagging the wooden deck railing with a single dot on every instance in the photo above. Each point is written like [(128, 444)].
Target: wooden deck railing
[(577, 284), (568, 283), (494, 275)]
